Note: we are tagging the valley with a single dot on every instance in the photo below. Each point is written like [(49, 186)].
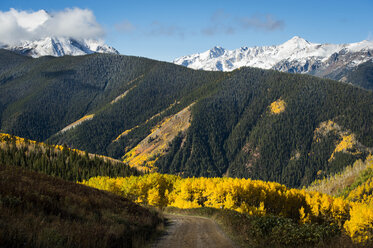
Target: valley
[(97, 102)]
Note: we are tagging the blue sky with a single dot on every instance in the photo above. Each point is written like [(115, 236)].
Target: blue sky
[(165, 30)]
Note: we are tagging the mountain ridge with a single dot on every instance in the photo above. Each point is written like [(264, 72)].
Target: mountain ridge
[(295, 55)]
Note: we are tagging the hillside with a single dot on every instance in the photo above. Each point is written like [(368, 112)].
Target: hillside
[(249, 122), (236, 133), (42, 211), (361, 76), (348, 182), (60, 161)]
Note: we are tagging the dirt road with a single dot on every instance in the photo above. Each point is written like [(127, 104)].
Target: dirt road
[(191, 231)]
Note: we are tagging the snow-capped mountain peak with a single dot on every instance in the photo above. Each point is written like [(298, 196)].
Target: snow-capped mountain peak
[(60, 46), (294, 55), (216, 52), (296, 43), (297, 40)]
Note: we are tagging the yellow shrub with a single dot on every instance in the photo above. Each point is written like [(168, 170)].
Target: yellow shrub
[(360, 225), (347, 143), (363, 193), (278, 106), (243, 195)]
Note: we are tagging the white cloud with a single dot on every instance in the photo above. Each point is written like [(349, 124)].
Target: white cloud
[(16, 26), (263, 22)]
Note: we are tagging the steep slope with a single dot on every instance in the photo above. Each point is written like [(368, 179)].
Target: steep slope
[(235, 133), (146, 153), (56, 92), (295, 55), (245, 123), (60, 46)]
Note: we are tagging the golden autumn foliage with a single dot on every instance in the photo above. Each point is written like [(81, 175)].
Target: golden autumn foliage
[(243, 195), (359, 198), (145, 154), (345, 145), (363, 193), (126, 132), (360, 224), (278, 106)]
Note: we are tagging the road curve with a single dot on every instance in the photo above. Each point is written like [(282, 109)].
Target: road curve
[(192, 232)]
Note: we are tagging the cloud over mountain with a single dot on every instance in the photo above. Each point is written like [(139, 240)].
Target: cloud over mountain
[(19, 25), (263, 22)]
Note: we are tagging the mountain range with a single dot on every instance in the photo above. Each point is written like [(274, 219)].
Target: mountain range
[(296, 55)]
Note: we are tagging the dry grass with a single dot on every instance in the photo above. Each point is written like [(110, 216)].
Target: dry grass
[(335, 184), (37, 210)]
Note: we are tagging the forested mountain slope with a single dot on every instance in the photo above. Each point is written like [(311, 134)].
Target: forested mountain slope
[(59, 161), (247, 123), (324, 126), (362, 75)]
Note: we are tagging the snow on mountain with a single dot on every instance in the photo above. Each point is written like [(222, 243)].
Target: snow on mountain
[(40, 33), (295, 55), (60, 46)]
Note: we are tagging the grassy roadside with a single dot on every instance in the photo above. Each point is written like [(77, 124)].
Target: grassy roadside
[(270, 231)]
